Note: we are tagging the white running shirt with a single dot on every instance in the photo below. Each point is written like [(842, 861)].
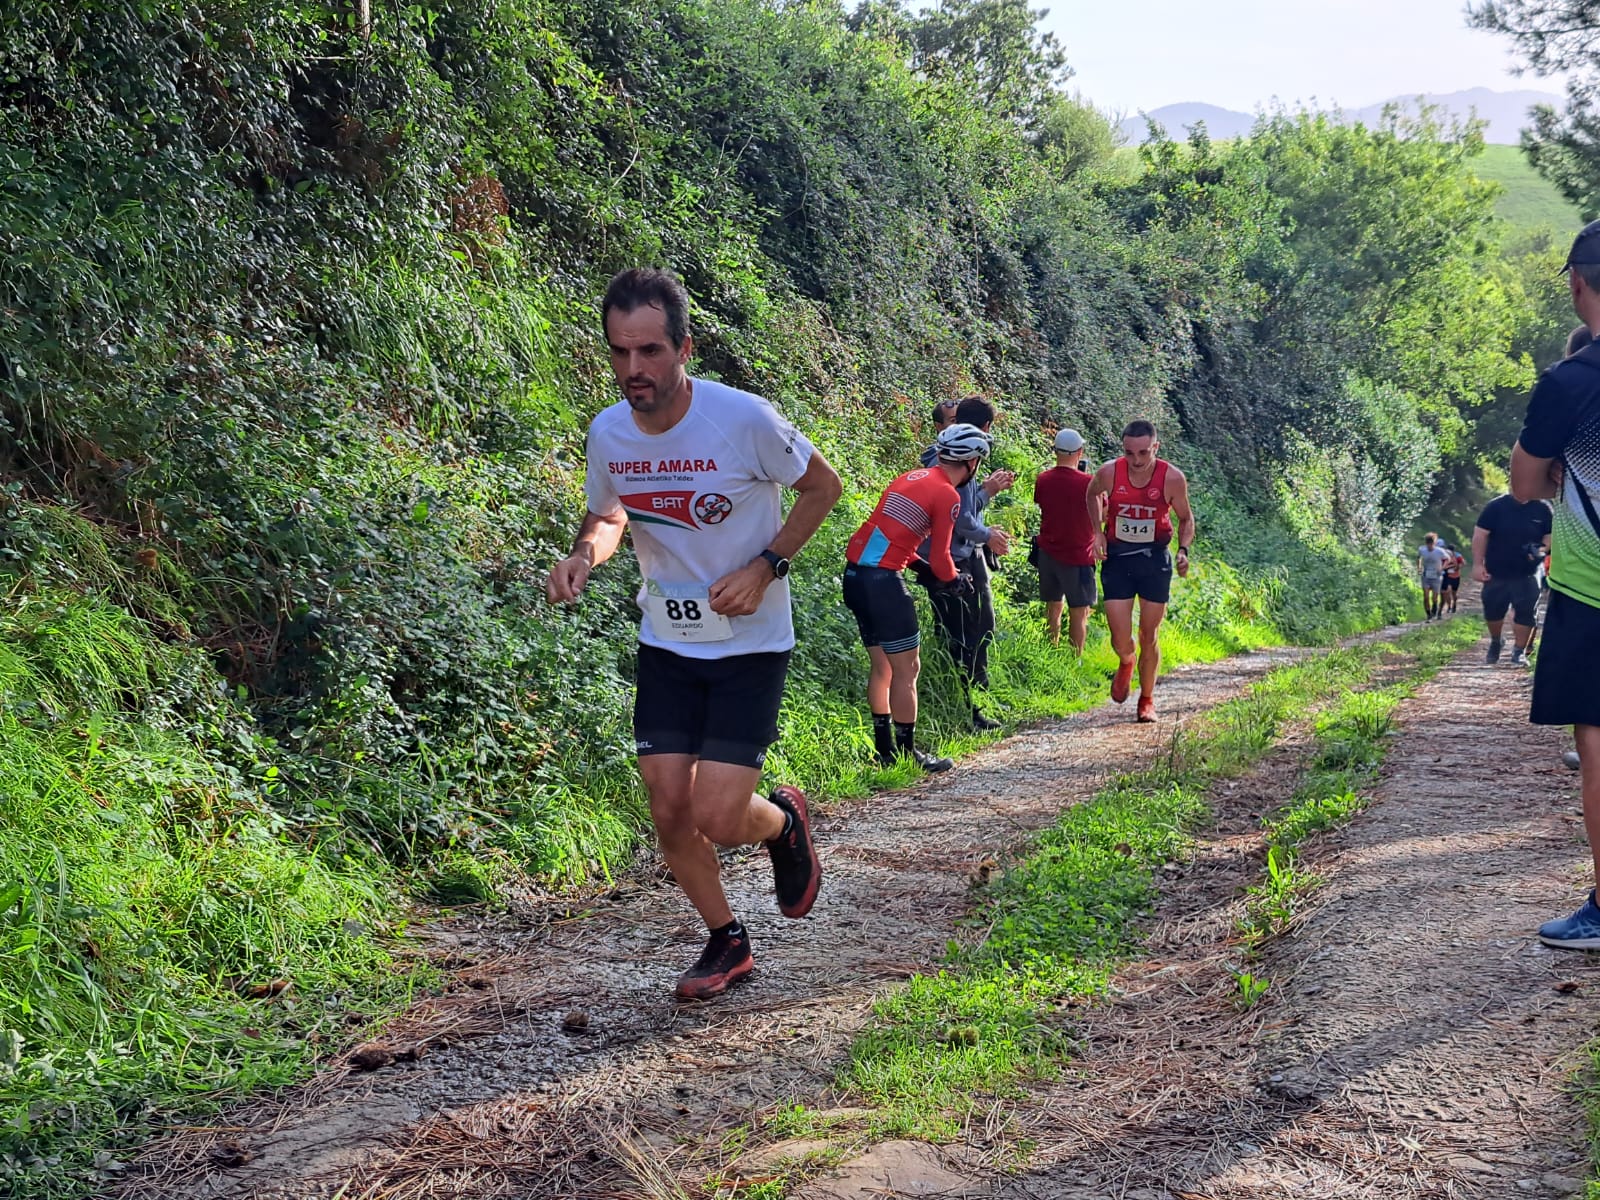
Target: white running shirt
[(703, 498)]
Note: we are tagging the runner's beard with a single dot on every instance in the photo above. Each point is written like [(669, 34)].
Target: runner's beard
[(646, 401), (654, 399)]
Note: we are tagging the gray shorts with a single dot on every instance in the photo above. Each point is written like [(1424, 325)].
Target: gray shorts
[(1059, 581), (1519, 593), (1432, 583)]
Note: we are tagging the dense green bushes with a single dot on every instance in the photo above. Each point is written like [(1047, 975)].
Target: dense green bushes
[(298, 341)]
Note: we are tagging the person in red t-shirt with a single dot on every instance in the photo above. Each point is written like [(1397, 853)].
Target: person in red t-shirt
[(1066, 541)]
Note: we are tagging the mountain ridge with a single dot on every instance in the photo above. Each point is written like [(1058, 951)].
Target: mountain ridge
[(1505, 112)]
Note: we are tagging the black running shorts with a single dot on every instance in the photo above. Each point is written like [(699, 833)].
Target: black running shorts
[(717, 709), (1452, 583), (1146, 574), (884, 611), (1060, 581), (1518, 593), (1564, 691)]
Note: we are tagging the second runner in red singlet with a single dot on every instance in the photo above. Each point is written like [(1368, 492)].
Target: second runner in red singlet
[(1141, 493)]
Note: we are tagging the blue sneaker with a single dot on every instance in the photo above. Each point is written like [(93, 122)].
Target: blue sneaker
[(1580, 931)]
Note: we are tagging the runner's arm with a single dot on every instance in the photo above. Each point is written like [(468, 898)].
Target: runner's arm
[(1178, 486), (739, 592), (944, 523), (1480, 547), (597, 540), (1531, 477), (1099, 488)]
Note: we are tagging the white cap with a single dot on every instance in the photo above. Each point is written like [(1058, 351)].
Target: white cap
[(1069, 440)]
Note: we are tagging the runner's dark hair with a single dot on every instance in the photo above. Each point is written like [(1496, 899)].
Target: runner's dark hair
[(641, 286), (1139, 428), (974, 410), (939, 408)]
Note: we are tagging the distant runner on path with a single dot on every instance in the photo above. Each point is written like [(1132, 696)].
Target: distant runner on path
[(697, 469), (1452, 577), (919, 504), (1431, 560), (1066, 541), (1558, 454), (1508, 544), (1139, 493)]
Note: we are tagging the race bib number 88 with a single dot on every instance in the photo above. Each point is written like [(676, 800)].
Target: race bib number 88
[(682, 612)]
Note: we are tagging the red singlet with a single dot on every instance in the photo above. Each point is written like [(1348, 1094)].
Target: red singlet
[(920, 504), (1139, 516)]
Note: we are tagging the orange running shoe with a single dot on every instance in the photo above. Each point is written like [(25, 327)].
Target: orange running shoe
[(1147, 707), (1120, 682)]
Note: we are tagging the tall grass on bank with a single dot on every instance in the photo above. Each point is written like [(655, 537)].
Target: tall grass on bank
[(160, 940)]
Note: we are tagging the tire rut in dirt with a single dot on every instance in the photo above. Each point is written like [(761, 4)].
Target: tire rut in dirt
[(1416, 1038)]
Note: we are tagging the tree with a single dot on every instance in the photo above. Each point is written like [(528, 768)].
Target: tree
[(1556, 36), (994, 45)]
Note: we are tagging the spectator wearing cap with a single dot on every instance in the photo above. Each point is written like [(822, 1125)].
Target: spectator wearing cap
[(1066, 540)]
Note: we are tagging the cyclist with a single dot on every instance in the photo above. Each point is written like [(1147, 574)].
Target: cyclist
[(919, 504)]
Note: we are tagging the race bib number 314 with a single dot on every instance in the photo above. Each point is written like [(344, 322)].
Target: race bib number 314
[(682, 613), (1134, 529)]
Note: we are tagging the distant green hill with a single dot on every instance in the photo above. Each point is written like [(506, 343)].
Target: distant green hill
[(1530, 201)]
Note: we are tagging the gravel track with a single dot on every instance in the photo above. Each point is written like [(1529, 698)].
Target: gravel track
[(605, 1109)]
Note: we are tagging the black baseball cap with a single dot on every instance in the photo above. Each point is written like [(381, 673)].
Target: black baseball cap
[(1585, 250)]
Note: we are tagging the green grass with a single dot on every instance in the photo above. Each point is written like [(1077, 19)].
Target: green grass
[(1529, 201), (1350, 741), (160, 942)]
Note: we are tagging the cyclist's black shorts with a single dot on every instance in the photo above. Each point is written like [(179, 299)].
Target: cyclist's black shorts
[(717, 709), (883, 608), (1145, 573)]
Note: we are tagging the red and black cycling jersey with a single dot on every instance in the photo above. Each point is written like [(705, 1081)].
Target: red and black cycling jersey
[(920, 504)]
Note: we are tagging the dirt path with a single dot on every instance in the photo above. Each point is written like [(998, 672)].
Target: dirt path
[(1416, 1038), (590, 1079)]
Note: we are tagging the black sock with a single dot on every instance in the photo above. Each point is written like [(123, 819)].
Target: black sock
[(732, 929), (882, 735), (904, 734)]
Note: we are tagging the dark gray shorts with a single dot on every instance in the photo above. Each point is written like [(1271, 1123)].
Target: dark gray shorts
[(1518, 593), (1060, 581)]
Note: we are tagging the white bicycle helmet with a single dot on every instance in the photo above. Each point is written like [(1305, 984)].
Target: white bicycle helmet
[(962, 443)]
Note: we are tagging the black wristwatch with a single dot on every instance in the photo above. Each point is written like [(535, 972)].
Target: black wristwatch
[(779, 564)]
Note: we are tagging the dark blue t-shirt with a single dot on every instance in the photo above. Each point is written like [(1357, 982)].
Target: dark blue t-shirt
[(1516, 536)]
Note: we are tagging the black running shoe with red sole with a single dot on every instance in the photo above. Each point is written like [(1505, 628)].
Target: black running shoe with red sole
[(724, 962), (796, 871)]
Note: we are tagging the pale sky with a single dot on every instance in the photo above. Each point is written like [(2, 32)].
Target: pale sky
[(1130, 55)]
